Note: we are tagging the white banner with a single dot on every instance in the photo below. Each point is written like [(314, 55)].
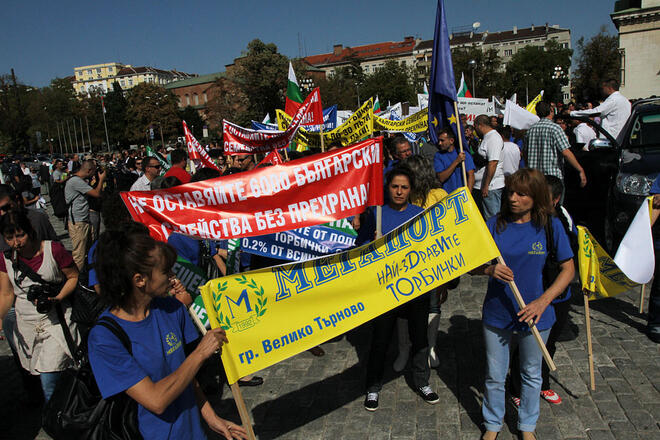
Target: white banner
[(473, 107)]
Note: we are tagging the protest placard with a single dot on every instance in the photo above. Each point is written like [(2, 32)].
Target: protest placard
[(304, 192), (416, 123)]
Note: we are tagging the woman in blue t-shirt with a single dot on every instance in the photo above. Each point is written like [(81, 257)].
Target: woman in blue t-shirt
[(518, 231), (135, 275), (399, 183)]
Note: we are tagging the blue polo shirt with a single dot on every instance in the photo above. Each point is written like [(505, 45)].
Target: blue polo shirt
[(391, 220), (158, 350), (443, 159), (523, 247)]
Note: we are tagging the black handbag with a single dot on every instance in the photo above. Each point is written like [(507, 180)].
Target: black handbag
[(552, 267), (76, 408)]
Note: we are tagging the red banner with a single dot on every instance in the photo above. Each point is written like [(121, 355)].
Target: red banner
[(239, 140), (195, 151), (305, 192), (314, 115)]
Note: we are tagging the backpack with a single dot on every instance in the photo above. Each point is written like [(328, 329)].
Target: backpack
[(57, 200)]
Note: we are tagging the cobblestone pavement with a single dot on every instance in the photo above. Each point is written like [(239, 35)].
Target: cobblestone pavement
[(321, 398)]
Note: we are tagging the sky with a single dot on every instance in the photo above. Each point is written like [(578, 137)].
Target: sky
[(42, 40)]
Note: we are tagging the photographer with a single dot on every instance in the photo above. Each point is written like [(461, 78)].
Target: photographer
[(38, 337)]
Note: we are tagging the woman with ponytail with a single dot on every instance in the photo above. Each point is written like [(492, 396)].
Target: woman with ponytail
[(135, 275)]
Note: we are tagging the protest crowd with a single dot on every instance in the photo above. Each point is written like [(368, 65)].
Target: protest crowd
[(117, 301)]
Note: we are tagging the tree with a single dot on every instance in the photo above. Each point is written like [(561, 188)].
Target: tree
[(151, 106), (488, 74), (116, 107), (392, 83), (193, 120), (14, 122), (598, 59), (341, 87), (536, 68)]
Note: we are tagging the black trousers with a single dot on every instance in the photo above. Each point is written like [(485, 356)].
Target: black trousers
[(654, 299), (561, 315), (416, 312)]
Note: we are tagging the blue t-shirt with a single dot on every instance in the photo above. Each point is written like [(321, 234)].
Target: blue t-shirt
[(655, 187), (158, 350), (443, 159), (391, 220), (523, 247), (187, 247)]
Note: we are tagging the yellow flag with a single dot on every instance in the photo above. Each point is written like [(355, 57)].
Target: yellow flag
[(531, 107), (274, 313), (357, 127), (415, 123), (599, 274)]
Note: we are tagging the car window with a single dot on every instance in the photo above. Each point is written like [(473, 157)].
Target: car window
[(645, 130)]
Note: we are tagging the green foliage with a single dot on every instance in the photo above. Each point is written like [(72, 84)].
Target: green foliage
[(116, 107), (598, 59), (340, 88), (150, 105), (534, 67), (393, 82), (488, 74)]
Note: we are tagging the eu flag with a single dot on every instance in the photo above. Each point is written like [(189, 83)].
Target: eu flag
[(442, 90)]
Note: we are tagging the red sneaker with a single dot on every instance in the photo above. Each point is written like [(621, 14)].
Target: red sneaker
[(551, 396)]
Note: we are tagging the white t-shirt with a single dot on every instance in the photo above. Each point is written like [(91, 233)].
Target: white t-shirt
[(583, 134), (614, 112), (491, 149), (510, 158)]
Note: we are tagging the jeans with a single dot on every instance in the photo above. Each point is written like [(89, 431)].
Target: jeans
[(416, 312), (498, 343), (561, 312), (490, 205), (48, 382)]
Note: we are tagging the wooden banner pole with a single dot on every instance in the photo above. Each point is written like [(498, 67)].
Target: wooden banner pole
[(322, 143), (286, 153), (235, 388), (379, 222), (535, 331), (460, 143), (587, 319), (641, 298)]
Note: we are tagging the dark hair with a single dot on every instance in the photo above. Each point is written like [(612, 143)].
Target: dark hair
[(401, 170), (121, 254), (449, 132), (17, 220), (482, 120), (178, 156), (114, 211), (8, 191), (543, 109), (611, 82), (398, 140), (555, 184), (169, 182), (504, 131), (205, 174), (425, 178), (532, 183)]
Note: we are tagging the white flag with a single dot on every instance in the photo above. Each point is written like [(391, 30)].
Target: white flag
[(635, 255), (517, 117)]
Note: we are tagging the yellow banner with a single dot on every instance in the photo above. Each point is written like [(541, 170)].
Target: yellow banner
[(599, 273), (359, 126), (415, 123), (531, 107), (274, 313)]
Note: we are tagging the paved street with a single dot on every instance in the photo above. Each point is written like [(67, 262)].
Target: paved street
[(321, 398)]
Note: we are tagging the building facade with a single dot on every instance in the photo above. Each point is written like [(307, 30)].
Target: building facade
[(196, 92), (638, 23), (102, 76)]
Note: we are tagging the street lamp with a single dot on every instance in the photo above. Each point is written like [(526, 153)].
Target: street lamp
[(473, 65)]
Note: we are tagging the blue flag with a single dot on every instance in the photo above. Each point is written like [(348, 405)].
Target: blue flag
[(261, 126), (442, 90)]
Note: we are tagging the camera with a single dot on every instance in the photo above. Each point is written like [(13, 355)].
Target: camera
[(41, 295)]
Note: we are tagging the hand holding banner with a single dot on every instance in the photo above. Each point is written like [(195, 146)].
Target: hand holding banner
[(275, 313), (304, 192)]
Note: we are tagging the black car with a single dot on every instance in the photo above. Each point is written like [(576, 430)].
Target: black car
[(619, 172)]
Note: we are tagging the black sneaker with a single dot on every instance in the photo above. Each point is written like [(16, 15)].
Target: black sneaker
[(371, 402), (428, 395)]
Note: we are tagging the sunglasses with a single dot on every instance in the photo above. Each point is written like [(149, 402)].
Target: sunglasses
[(158, 166)]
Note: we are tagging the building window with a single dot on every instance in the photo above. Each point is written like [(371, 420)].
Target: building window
[(89, 72), (205, 98), (564, 45), (98, 70), (508, 52), (622, 57), (567, 97), (130, 82), (196, 99), (122, 83), (187, 99)]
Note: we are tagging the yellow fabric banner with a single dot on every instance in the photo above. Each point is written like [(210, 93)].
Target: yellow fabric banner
[(274, 313), (359, 126), (531, 107), (599, 274), (415, 123)]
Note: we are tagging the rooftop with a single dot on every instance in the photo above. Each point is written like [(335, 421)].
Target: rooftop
[(202, 79), (342, 54), (495, 37), (128, 70)]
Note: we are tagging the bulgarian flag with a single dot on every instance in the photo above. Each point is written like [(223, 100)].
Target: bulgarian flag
[(463, 91), (293, 96), (376, 106)]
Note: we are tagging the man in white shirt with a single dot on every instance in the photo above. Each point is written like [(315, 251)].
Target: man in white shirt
[(151, 170), (489, 177), (614, 111), (510, 153), (584, 134)]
